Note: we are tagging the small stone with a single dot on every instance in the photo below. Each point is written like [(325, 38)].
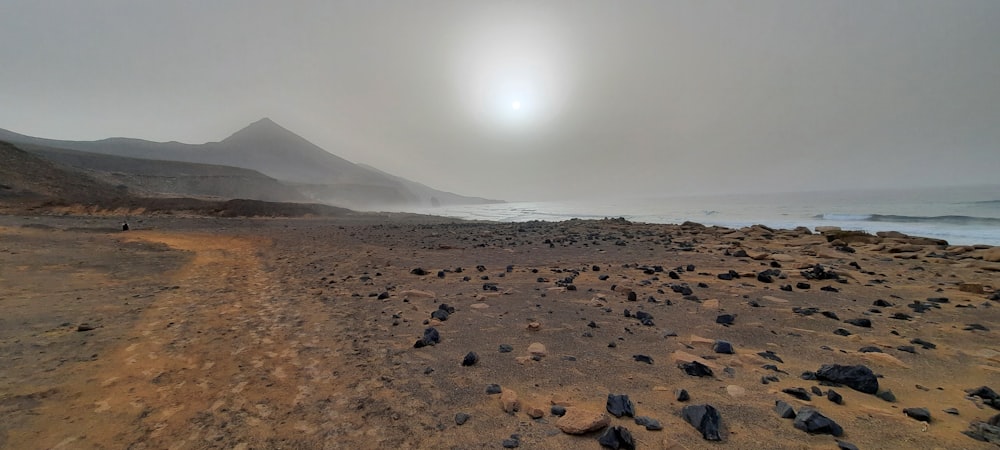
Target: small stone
[(581, 421), (723, 347), (558, 410), (84, 327), (470, 359), (798, 393), (952, 411), (696, 369), (682, 395), (440, 314), (771, 356), (725, 319), (535, 413), (921, 414), (511, 443), (492, 389), (812, 422), (617, 438), (860, 322), (509, 401), (419, 271), (844, 445), (431, 337), (461, 418), (537, 349), (784, 410), (506, 348), (887, 395), (620, 405), (648, 422), (643, 358), (835, 397)]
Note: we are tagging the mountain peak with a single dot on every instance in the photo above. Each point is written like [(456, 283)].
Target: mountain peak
[(262, 129)]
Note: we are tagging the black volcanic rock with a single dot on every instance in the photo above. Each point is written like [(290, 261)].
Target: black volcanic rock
[(620, 405), (989, 396), (723, 347), (616, 438), (784, 410), (696, 369), (860, 322), (798, 393), (431, 337), (812, 422), (859, 377), (650, 423), (768, 354), (704, 418), (921, 414)]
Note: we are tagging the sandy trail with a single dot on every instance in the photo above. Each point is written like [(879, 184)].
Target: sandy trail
[(219, 358)]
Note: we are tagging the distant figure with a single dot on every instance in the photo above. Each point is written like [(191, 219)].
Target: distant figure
[(124, 226)]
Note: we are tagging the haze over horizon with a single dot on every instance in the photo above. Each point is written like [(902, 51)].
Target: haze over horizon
[(529, 101)]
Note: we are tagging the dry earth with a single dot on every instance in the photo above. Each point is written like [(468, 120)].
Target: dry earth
[(299, 333)]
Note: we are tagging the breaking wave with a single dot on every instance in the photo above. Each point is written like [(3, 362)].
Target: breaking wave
[(950, 220)]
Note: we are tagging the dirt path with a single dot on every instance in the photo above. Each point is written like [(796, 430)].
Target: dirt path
[(221, 360)]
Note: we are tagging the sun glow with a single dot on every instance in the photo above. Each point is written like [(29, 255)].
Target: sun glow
[(511, 68)]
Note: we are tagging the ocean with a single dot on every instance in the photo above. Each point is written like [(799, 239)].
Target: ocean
[(961, 215)]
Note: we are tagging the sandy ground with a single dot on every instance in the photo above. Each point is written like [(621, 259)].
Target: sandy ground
[(299, 333)]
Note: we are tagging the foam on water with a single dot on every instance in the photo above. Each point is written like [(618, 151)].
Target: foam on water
[(962, 216)]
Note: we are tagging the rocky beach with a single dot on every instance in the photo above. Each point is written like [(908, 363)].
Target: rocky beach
[(415, 332)]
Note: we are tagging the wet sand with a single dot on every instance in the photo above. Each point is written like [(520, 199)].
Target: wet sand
[(299, 333)]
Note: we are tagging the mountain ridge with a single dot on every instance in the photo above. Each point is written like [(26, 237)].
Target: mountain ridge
[(273, 150)]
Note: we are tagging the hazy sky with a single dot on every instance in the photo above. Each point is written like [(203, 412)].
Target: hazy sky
[(634, 98)]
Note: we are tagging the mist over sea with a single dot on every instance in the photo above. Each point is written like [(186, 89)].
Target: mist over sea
[(960, 215)]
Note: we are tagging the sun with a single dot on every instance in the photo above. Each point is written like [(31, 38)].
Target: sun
[(515, 105)]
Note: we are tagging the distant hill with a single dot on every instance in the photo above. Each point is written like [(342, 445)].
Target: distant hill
[(270, 149), (148, 177), (26, 178), (29, 182)]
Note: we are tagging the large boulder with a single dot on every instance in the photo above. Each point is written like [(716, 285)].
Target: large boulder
[(860, 378), (706, 419)]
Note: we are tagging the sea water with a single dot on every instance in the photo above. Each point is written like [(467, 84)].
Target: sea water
[(960, 215)]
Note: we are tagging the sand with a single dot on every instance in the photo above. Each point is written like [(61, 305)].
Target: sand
[(299, 333)]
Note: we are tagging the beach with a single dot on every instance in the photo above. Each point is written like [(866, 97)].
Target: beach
[(190, 333)]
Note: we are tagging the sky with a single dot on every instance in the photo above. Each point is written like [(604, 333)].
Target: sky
[(535, 100)]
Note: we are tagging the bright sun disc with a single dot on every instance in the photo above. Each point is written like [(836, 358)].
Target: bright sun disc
[(516, 105)]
